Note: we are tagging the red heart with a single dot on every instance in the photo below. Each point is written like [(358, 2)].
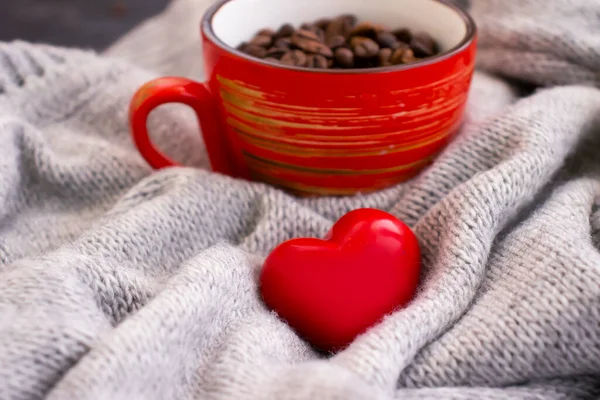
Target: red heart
[(332, 290)]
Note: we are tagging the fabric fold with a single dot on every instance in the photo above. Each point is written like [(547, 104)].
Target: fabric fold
[(119, 282)]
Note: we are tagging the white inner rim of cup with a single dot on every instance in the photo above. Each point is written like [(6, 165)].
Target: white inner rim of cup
[(239, 20)]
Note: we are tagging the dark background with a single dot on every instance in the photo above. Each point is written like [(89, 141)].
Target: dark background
[(91, 24)]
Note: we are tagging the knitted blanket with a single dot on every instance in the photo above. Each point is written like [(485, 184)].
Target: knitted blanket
[(118, 282)]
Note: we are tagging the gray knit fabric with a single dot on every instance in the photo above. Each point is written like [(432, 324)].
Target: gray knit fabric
[(117, 282)]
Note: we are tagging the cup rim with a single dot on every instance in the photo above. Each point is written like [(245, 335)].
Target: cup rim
[(207, 30)]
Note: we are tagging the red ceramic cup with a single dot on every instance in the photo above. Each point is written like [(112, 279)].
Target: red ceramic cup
[(319, 132)]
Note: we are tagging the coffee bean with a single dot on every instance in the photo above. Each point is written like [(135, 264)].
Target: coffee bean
[(400, 45), (285, 30), (423, 45), (336, 41), (283, 43), (304, 34), (364, 47), (386, 39), (344, 57), (350, 20), (396, 57), (266, 32), (384, 57), (408, 56), (341, 25), (403, 35), (262, 40), (295, 58), (403, 56), (321, 49), (339, 43), (366, 29), (276, 52), (319, 33), (316, 61), (254, 50), (309, 42), (323, 22), (334, 29)]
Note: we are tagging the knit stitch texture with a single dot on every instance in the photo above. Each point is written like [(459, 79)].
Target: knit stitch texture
[(118, 282)]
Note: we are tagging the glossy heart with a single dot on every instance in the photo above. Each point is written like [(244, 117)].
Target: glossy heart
[(329, 291)]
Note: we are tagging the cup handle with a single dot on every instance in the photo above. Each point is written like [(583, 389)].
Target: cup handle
[(177, 90)]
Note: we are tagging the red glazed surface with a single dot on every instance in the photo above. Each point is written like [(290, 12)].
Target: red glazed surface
[(319, 132), (332, 290)]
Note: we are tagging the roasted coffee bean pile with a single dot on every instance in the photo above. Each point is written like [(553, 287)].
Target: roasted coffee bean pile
[(338, 43)]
